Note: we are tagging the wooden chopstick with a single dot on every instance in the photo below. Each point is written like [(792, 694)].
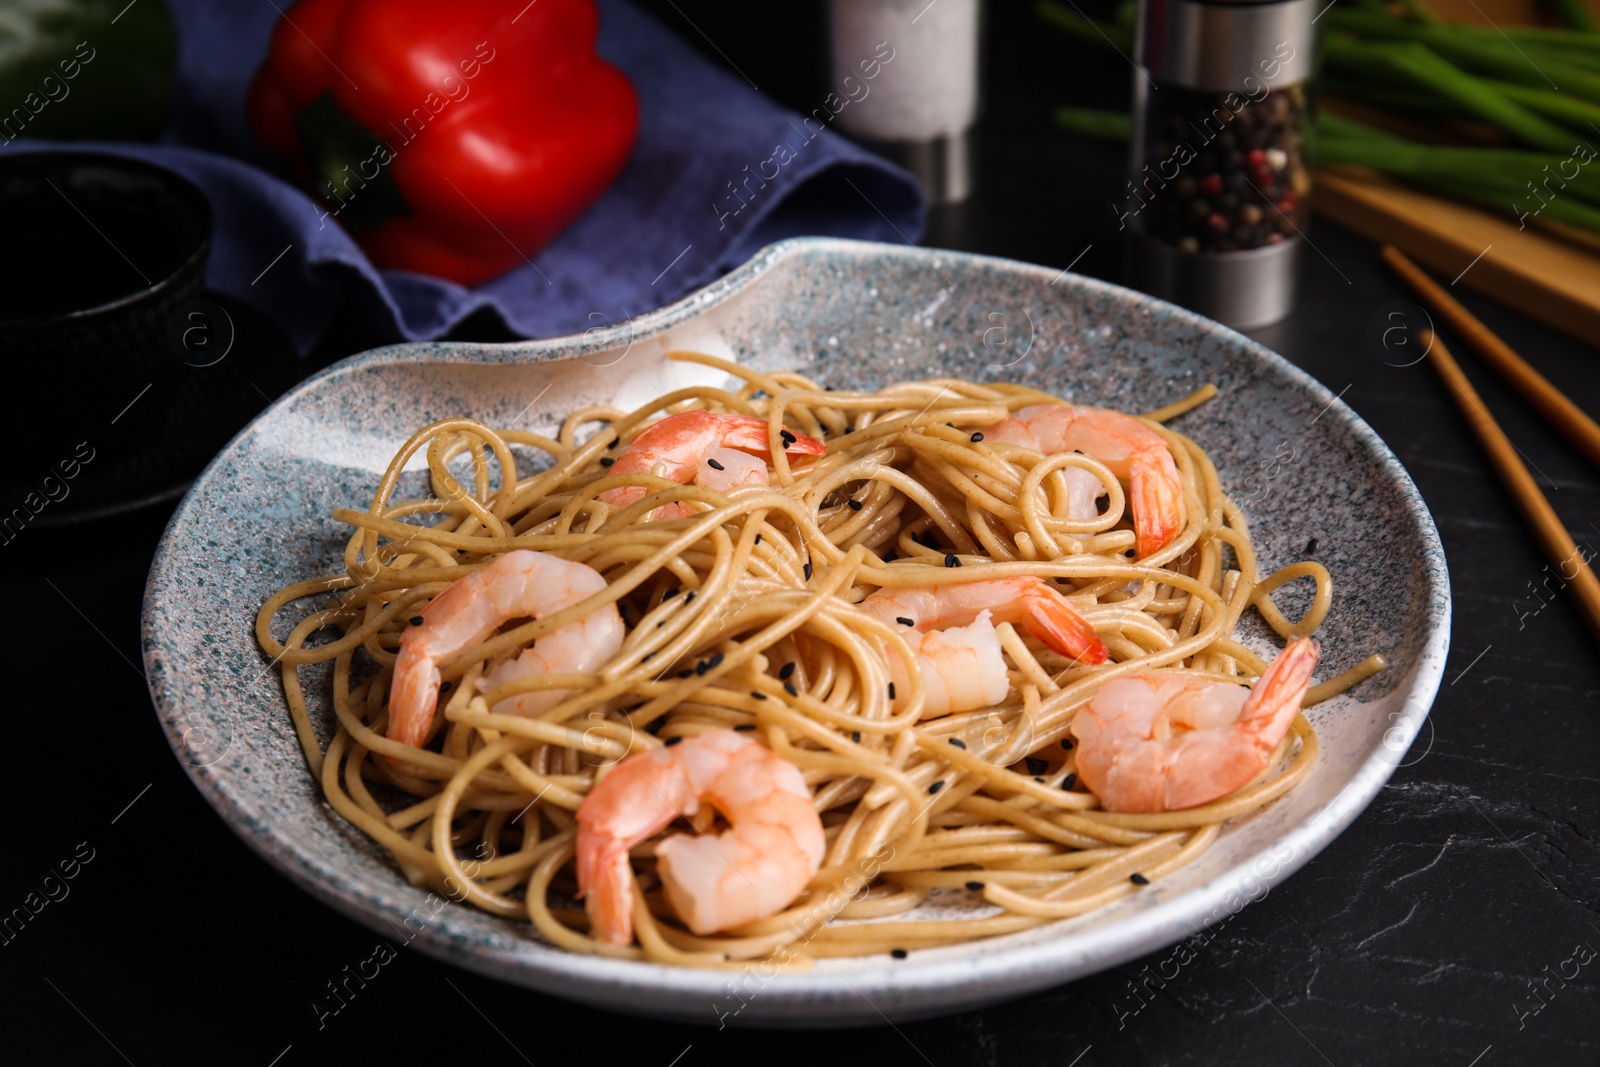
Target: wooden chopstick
[(1570, 564), (1551, 402)]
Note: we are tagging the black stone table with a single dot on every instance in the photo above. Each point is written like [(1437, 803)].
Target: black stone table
[(1456, 922)]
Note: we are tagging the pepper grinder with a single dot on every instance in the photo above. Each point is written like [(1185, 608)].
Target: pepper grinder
[(1217, 199), (906, 75)]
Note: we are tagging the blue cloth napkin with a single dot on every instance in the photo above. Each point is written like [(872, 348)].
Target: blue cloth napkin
[(669, 225)]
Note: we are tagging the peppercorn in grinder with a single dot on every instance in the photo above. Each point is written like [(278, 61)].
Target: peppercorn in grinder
[(1217, 200)]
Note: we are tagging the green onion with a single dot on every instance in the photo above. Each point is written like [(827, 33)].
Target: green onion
[(1095, 124), (1578, 114), (1502, 171), (1417, 67), (1524, 58), (1085, 29)]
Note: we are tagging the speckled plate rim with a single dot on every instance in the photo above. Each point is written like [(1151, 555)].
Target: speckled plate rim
[(917, 988)]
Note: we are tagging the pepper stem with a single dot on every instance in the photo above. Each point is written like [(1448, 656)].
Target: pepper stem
[(349, 166)]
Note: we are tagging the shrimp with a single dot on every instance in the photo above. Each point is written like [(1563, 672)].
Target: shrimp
[(959, 651), (519, 583), (755, 869), (711, 449), (1133, 451), (1163, 742)]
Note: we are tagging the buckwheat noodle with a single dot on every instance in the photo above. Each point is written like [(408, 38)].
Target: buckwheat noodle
[(718, 605)]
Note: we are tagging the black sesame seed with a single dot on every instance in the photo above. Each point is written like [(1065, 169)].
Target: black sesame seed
[(903, 621), (788, 438), (445, 688), (786, 672), (849, 429), (891, 690), (792, 691), (956, 741), (714, 662), (688, 596), (890, 557), (808, 572), (670, 593), (669, 742), (1066, 742), (856, 737), (758, 539), (1069, 782), (416, 620), (688, 671), (1138, 879), (702, 667), (936, 786), (745, 726), (899, 953), (606, 461), (977, 437), (714, 465), (1311, 547), (1037, 766), (975, 886), (950, 560), (758, 695), (855, 505), (646, 657)]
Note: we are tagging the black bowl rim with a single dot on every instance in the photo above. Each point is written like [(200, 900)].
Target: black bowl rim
[(187, 191)]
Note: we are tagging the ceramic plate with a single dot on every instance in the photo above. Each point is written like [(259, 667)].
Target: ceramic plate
[(850, 314)]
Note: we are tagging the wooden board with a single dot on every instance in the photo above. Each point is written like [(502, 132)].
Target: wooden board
[(1541, 276)]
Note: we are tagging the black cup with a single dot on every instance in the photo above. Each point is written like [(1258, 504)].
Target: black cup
[(103, 250)]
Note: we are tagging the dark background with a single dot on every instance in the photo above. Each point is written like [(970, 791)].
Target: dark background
[(1412, 939)]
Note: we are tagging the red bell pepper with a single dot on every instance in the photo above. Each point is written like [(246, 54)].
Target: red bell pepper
[(455, 139)]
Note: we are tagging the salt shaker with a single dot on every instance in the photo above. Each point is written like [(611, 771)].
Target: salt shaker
[(918, 106), (1217, 199)]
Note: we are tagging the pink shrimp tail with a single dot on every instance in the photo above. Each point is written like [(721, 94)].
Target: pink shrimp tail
[(605, 883), (1275, 700), (412, 700), (1158, 504), (1052, 619), (414, 691)]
